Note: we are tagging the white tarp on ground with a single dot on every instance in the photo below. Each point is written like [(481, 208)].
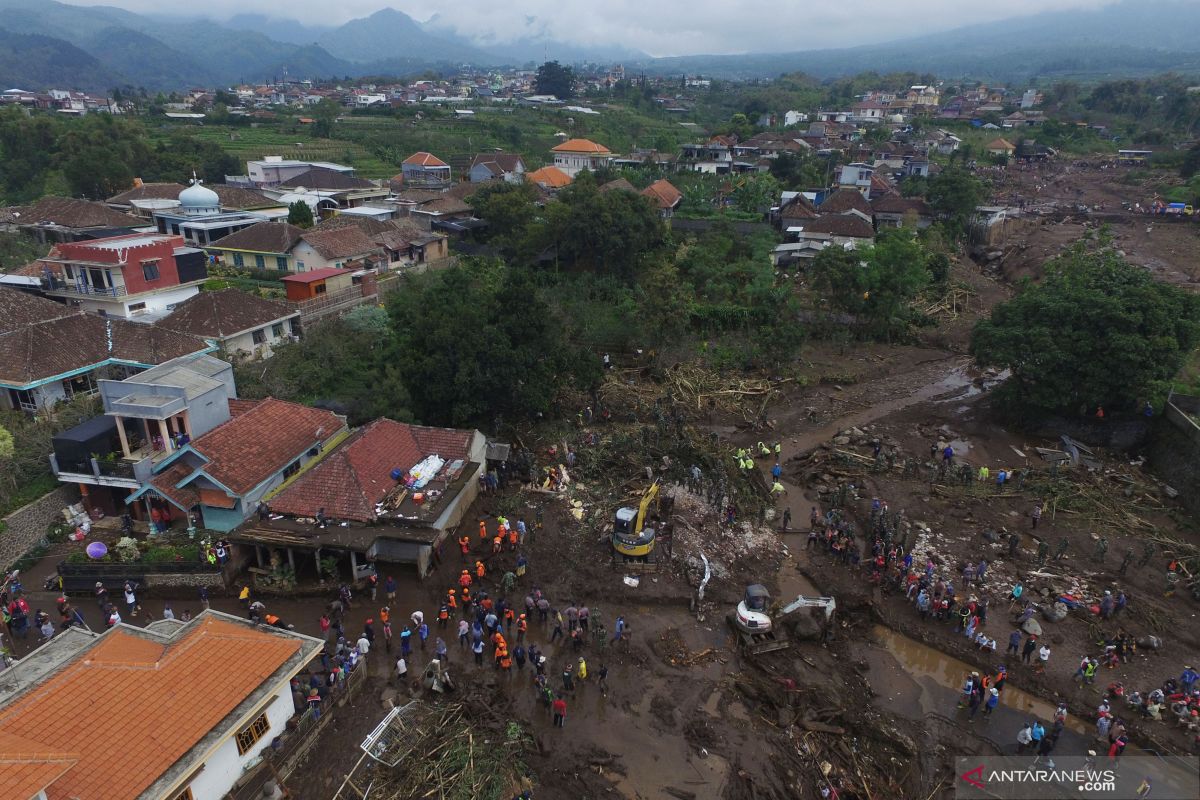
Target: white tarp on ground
[(425, 470)]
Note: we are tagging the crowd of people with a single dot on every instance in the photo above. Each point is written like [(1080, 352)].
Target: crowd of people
[(492, 629)]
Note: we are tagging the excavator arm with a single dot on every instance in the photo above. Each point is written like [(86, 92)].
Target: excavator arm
[(647, 499), (827, 603)]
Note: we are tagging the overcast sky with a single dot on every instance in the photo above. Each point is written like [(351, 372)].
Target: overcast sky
[(662, 27)]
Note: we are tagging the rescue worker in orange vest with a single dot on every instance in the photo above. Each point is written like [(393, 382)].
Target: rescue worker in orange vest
[(464, 544), (509, 617), (480, 570), (522, 626), (506, 662), (512, 539), (464, 580), (384, 615), (450, 599), (498, 641), (271, 619), (482, 531), (466, 601), (443, 615), (497, 544), (486, 603)]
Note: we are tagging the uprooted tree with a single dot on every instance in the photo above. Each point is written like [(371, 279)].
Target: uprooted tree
[(1097, 332)]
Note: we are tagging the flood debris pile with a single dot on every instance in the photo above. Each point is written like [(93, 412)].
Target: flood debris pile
[(440, 750), (695, 392), (822, 738)]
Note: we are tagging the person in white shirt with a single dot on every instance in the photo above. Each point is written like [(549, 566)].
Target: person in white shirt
[(1043, 658), (401, 669), (364, 645)]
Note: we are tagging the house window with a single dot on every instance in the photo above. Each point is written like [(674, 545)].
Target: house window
[(260, 262), (186, 794), (22, 399), (134, 307), (291, 469), (277, 330), (69, 272), (299, 266), (319, 289), (259, 336), (281, 262), (150, 270), (238, 261), (80, 384), (252, 733)]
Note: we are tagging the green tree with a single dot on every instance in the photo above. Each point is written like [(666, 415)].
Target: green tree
[(510, 210), (555, 79), (7, 448), (337, 366), (477, 346), (954, 194), (1097, 331), (755, 194), (1191, 162), (300, 214), (875, 284), (325, 114), (609, 233)]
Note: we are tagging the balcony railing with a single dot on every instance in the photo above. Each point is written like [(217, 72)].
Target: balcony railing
[(82, 288)]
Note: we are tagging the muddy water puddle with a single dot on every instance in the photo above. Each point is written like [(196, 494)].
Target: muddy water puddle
[(925, 665)]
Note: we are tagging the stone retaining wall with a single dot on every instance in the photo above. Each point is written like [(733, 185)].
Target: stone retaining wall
[(26, 526), (1174, 450), (161, 580)]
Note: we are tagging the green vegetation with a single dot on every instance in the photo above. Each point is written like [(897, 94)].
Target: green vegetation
[(17, 250), (876, 285), (553, 78), (25, 472), (1097, 332), (96, 156), (300, 214)]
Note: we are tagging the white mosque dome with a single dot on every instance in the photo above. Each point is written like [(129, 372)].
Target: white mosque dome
[(199, 196)]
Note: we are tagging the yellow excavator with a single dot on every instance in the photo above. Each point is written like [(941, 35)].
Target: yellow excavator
[(632, 538)]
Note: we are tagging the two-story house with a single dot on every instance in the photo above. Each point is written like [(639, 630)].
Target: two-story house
[(575, 155), (425, 171), (171, 711), (183, 442), (50, 352), (136, 276)]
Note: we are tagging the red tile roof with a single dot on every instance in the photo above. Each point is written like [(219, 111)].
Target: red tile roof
[(314, 275), (260, 442), (663, 194), (344, 242), (225, 312), (550, 177), (131, 707), (425, 160), (581, 146), (798, 207), (844, 200), (27, 767), (352, 479), (850, 226), (164, 483), (238, 405)]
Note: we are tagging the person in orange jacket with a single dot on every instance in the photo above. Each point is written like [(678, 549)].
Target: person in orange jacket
[(464, 545), (482, 531), (464, 580), (480, 570), (451, 600)]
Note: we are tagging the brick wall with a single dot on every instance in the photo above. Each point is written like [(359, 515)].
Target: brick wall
[(26, 526)]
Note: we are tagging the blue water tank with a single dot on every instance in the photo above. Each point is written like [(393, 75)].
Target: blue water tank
[(397, 474)]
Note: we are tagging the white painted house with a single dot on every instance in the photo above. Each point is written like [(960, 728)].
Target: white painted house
[(172, 711)]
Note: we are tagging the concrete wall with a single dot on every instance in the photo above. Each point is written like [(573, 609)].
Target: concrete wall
[(26, 526), (1173, 452), (194, 579), (1126, 434)]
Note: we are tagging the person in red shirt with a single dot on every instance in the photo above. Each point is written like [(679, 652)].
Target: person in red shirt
[(559, 706)]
